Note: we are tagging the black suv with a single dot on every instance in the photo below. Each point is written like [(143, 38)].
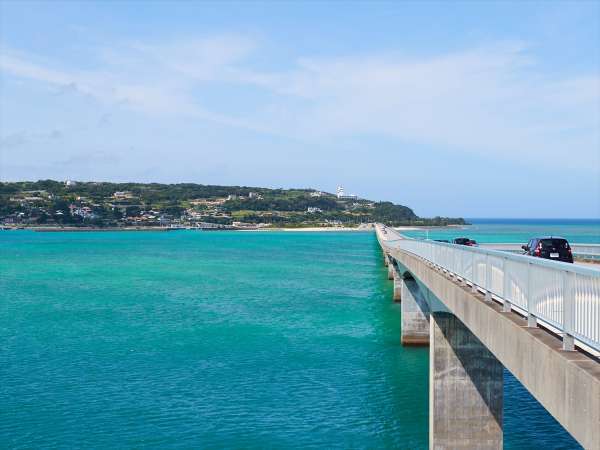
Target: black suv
[(464, 241), (549, 247)]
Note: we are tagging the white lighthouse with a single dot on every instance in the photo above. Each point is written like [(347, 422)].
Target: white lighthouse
[(342, 195)]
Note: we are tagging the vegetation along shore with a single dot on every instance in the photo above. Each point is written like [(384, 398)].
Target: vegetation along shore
[(70, 205)]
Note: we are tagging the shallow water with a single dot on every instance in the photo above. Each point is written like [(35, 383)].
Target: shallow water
[(192, 339)]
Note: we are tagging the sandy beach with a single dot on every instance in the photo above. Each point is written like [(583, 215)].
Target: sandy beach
[(329, 229)]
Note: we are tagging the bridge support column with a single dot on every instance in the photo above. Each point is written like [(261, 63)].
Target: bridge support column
[(391, 271), (398, 283), (465, 388), (386, 260), (415, 315)]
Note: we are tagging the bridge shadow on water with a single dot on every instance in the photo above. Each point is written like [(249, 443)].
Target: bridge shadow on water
[(527, 424)]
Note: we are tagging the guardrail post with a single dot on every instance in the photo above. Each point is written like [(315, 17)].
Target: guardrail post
[(456, 264), (463, 268), (505, 286), (531, 304), (568, 343), (506, 306), (488, 279), (473, 276), (568, 310), (473, 284)]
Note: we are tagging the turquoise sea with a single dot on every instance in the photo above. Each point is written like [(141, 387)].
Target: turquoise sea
[(580, 231), (215, 340)]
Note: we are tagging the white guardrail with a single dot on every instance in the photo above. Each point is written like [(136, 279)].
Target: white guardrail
[(565, 296), (583, 250), (586, 249)]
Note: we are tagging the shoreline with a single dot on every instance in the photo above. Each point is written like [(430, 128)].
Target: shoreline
[(314, 229), (348, 229), (89, 229), (359, 228), (164, 229)]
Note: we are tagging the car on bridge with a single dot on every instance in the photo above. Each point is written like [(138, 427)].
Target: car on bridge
[(549, 247), (464, 241)]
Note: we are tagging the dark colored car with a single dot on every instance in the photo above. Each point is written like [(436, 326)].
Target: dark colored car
[(549, 247), (464, 241)]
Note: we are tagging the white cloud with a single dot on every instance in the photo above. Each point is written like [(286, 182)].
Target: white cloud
[(199, 59), (143, 77), (488, 99)]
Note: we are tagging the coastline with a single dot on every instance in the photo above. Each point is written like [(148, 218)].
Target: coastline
[(90, 229), (326, 229), (263, 229), (313, 229)]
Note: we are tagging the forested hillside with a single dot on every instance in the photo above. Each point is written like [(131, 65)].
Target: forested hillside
[(50, 202)]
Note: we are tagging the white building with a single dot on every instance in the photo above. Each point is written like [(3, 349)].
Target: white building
[(342, 195), (313, 209), (121, 195)]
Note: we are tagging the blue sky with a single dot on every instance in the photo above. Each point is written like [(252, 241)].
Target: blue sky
[(475, 109)]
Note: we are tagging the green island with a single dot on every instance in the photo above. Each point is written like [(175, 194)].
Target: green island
[(71, 204)]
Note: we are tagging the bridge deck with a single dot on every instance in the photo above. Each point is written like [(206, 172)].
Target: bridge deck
[(564, 297), (566, 383)]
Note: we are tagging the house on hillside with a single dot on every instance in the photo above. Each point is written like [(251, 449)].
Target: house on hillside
[(123, 195)]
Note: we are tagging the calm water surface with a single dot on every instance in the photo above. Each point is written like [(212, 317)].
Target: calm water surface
[(212, 340), (582, 231)]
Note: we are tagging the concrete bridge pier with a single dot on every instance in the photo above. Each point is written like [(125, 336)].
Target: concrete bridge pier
[(415, 315), (465, 388), (398, 283), (391, 269)]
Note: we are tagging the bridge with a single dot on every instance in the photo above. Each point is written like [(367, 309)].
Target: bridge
[(586, 251), (480, 310)]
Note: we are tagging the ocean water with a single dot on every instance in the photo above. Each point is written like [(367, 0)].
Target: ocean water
[(215, 340), (581, 231)]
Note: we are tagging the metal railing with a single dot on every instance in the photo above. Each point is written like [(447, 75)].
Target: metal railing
[(582, 250), (565, 296)]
